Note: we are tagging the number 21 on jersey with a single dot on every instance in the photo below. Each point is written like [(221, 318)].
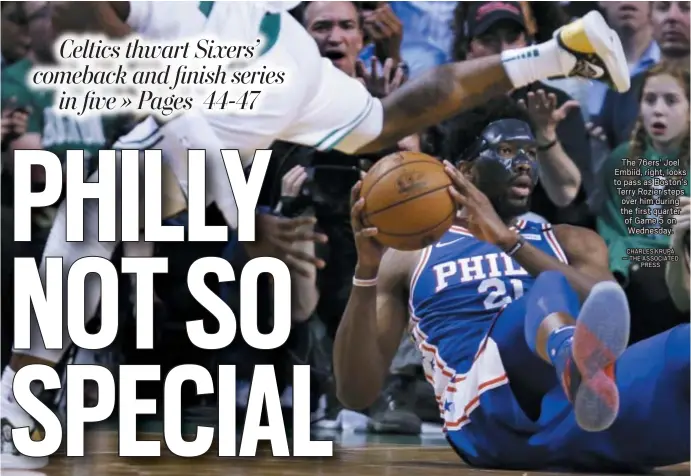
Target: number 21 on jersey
[(499, 294)]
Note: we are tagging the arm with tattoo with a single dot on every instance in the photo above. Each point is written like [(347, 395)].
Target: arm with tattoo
[(439, 95)]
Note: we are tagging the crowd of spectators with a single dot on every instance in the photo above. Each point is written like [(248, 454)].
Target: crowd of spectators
[(583, 130)]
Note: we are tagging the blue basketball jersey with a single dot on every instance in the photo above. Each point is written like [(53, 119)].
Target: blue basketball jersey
[(458, 288)]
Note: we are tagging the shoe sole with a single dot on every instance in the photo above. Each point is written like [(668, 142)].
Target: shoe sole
[(608, 47), (601, 336)]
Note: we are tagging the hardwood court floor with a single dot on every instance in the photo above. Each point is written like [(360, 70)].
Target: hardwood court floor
[(363, 459)]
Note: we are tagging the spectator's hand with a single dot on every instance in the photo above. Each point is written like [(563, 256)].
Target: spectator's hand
[(276, 236), (482, 219), (14, 123), (545, 114), (595, 132), (386, 30), (379, 85), (369, 251), (292, 181), (681, 229)]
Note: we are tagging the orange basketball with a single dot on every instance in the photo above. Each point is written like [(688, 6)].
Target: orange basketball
[(407, 198)]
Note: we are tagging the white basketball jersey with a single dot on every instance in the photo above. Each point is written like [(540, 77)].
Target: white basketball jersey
[(318, 105), (231, 21)]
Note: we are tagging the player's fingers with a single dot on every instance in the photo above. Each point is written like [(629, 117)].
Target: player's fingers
[(356, 214), (368, 232), (460, 200), (522, 104), (355, 191), (550, 100), (461, 183)]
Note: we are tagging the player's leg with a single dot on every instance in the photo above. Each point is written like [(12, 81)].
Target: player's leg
[(255, 120), (586, 48), (652, 427), (548, 330), (13, 416), (581, 342)]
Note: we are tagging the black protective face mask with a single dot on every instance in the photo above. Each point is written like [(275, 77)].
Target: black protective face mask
[(494, 170)]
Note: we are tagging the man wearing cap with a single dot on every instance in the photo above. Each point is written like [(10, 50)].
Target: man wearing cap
[(487, 28)]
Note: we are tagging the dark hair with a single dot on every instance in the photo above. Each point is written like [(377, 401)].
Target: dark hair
[(639, 136), (461, 131), (542, 19), (299, 11)]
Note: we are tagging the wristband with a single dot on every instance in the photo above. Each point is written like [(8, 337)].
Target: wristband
[(514, 249), (547, 146), (364, 283)]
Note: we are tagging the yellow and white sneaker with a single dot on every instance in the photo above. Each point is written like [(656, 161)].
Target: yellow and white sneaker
[(597, 51), (13, 416)]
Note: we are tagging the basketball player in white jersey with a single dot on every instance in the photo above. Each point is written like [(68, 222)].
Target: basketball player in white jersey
[(321, 107)]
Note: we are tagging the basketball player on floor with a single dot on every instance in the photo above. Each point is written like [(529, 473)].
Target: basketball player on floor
[(522, 329), (320, 107)]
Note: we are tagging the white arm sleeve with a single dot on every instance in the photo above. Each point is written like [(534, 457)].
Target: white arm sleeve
[(140, 15)]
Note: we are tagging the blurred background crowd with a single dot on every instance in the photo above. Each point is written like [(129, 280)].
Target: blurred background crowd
[(587, 127)]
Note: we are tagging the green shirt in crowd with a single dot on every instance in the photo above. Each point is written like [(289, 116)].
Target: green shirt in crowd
[(634, 202)]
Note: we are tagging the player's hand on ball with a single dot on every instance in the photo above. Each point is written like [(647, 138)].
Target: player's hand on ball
[(276, 236), (369, 250), (482, 220)]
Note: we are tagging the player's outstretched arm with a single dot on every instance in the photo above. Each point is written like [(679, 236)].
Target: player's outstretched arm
[(374, 319), (438, 95), (369, 334)]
